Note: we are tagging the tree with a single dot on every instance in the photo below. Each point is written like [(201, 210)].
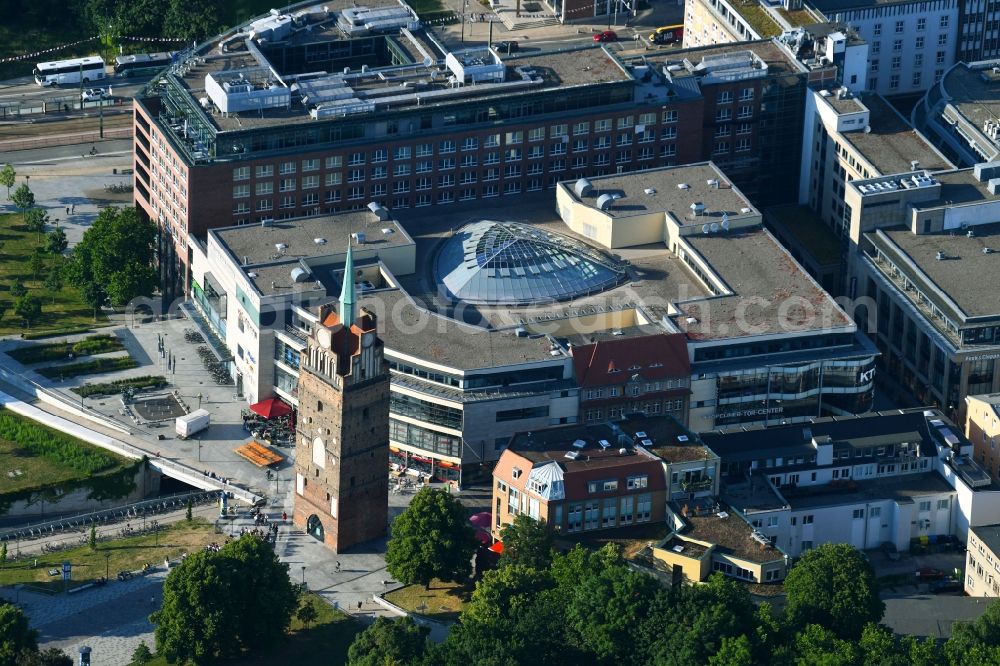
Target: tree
[(307, 613), (833, 586), (57, 242), (431, 539), (94, 296), (115, 257), (35, 220), (192, 19), (28, 308), (46, 657), (18, 289), (36, 264), (189, 514), (142, 654), (15, 635), (23, 198), (3, 554), (733, 652), (54, 280), (386, 641), (92, 539), (526, 541), (7, 177), (976, 643), (4, 306), (819, 646), (216, 605)]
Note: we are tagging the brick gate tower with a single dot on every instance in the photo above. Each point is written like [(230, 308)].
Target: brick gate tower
[(341, 463)]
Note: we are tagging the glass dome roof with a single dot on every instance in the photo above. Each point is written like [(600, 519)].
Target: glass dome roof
[(507, 263)]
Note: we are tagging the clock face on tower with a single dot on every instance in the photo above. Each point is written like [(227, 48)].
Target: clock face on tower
[(367, 339)]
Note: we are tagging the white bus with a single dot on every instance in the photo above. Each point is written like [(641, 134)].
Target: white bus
[(91, 68)]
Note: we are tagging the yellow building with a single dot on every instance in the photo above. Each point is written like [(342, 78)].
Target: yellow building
[(982, 428), (982, 563)]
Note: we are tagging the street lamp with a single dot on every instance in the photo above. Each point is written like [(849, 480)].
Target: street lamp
[(107, 565), (303, 575)]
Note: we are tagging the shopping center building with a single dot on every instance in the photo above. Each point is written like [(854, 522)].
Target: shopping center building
[(335, 106), (515, 321)]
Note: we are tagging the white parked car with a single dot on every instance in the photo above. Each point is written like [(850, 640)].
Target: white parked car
[(94, 94)]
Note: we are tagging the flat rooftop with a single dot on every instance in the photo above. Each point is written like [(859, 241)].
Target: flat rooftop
[(967, 276), (778, 62), (380, 86), (583, 445), (653, 190), (253, 244), (893, 144), (754, 265), (752, 495), (731, 535), (671, 441), (415, 331), (989, 535), (959, 186), (975, 98), (903, 489)]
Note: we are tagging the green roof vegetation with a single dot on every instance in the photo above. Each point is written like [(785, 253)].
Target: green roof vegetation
[(798, 17), (758, 18)]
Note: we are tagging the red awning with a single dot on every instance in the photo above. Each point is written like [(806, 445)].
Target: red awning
[(270, 408), (497, 547)]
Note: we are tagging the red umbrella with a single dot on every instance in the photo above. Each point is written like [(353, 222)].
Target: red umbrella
[(270, 408), (497, 547), (481, 519)]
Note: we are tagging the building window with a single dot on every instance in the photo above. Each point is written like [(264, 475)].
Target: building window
[(310, 182), (266, 187), (921, 24), (807, 520), (625, 122), (636, 482), (310, 165), (241, 191), (899, 26), (644, 507), (265, 170), (746, 94), (943, 22), (287, 185), (943, 504), (919, 43), (859, 514), (356, 159), (721, 147), (724, 97), (575, 521), (241, 173), (742, 145), (722, 115), (897, 45), (286, 168), (896, 61), (877, 30), (894, 81), (916, 78)]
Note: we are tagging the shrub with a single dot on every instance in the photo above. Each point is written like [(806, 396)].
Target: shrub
[(89, 367), (53, 445), (115, 387)]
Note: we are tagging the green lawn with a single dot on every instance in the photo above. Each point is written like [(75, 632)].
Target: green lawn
[(325, 641), (443, 601), (88, 367), (24, 466), (61, 309), (59, 351), (111, 556), (758, 18)]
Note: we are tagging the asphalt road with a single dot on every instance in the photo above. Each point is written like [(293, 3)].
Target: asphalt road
[(105, 149), (26, 93)]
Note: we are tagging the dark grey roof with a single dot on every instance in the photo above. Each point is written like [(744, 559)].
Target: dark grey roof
[(859, 430), (989, 535)]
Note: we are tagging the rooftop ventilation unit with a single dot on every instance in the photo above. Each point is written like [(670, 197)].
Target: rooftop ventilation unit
[(970, 234), (358, 237), (746, 211), (319, 241), (572, 455), (712, 182), (641, 434), (280, 247), (582, 188), (697, 209), (605, 201), (605, 444), (650, 191), (623, 451), (379, 211), (914, 165), (939, 256), (683, 186), (987, 250), (682, 438), (647, 442), (299, 274), (386, 231), (579, 444)]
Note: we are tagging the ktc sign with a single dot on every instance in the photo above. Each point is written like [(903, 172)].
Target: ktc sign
[(865, 377)]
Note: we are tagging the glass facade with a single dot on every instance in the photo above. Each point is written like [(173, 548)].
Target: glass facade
[(505, 262), (423, 438), (442, 415)]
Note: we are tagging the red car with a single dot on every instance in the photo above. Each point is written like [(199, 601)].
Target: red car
[(606, 36), (927, 573)]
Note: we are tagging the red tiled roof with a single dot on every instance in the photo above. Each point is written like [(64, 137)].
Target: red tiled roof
[(607, 362)]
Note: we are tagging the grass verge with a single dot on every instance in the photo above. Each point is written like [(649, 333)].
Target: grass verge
[(88, 367), (112, 388), (443, 601), (111, 557), (324, 641), (41, 335), (34, 456), (61, 309), (58, 351)]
